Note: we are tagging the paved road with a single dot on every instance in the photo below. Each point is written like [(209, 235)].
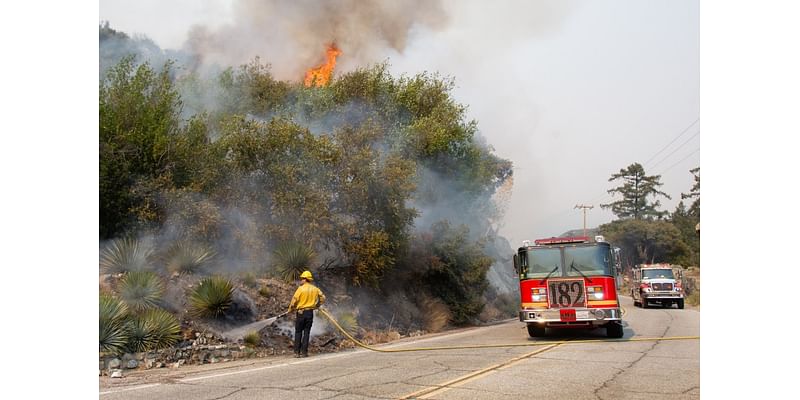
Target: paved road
[(635, 370)]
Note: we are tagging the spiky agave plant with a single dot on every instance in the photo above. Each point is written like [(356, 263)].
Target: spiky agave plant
[(164, 328), (140, 337), (292, 258), (125, 254), (141, 290), (211, 297), (348, 322), (113, 335), (189, 258)]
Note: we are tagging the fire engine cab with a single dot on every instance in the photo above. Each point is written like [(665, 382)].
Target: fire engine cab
[(569, 282)]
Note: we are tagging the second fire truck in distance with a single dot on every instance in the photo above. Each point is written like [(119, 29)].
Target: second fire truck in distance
[(569, 282)]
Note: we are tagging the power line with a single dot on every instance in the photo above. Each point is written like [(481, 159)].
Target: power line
[(673, 141), (681, 160), (676, 149), (610, 197)]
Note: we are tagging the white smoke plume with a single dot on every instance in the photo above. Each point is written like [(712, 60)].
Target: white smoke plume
[(292, 35)]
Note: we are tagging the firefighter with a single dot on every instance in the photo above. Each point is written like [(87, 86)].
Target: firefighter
[(306, 299)]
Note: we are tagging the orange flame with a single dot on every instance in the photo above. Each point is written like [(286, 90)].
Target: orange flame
[(321, 75)]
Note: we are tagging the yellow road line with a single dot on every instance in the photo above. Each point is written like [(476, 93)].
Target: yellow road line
[(427, 392)]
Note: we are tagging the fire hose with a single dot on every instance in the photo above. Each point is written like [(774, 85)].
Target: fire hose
[(487, 346)]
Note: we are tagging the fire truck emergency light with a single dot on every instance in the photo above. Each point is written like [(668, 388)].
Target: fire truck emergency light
[(564, 240)]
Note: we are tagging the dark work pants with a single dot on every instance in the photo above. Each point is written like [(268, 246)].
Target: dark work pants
[(302, 330)]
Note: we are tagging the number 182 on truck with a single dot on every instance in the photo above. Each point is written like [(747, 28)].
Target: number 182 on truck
[(569, 282)]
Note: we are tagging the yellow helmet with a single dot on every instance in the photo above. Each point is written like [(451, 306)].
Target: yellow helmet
[(306, 275)]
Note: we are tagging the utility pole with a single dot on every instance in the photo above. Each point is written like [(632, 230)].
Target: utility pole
[(584, 207)]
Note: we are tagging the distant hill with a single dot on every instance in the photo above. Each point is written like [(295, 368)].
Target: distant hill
[(590, 232)]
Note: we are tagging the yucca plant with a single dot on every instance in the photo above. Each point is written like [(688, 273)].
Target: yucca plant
[(141, 290), (211, 297), (189, 258), (165, 329), (292, 258), (123, 255), (140, 337), (113, 335), (252, 338), (348, 322), (152, 330)]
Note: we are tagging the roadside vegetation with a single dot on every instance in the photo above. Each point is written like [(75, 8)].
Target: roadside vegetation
[(211, 183)]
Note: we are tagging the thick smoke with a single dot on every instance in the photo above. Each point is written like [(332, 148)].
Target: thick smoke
[(293, 35)]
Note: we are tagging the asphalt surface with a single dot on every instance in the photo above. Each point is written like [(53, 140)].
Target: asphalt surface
[(628, 370)]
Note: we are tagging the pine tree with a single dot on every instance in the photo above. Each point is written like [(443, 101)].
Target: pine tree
[(694, 193), (636, 188)]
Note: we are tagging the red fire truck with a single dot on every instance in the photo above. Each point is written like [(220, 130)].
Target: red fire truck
[(569, 282)]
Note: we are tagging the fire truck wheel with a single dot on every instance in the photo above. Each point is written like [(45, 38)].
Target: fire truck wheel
[(680, 304), (535, 330), (614, 330)]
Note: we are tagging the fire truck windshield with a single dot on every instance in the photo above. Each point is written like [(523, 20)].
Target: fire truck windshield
[(657, 274), (595, 260), (542, 262)]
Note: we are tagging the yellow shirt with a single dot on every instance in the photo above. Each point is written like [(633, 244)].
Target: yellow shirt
[(306, 297)]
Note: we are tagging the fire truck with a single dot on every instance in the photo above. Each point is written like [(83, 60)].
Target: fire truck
[(661, 283), (569, 282)]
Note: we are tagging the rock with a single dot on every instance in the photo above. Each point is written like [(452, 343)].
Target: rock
[(132, 364), (149, 363), (114, 363), (117, 373), (160, 365)]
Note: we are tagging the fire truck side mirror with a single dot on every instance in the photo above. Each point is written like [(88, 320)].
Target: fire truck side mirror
[(516, 264)]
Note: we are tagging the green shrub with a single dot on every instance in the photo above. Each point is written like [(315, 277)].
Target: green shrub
[(189, 258), (291, 259), (252, 338), (113, 335), (264, 291), (123, 255), (141, 290), (211, 297)]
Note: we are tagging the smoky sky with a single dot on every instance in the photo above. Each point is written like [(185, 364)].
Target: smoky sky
[(569, 91), (292, 35)]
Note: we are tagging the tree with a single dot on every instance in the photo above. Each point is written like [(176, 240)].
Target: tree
[(647, 242), (685, 221), (635, 189), (694, 193)]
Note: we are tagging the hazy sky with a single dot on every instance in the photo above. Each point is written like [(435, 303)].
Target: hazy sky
[(570, 91)]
